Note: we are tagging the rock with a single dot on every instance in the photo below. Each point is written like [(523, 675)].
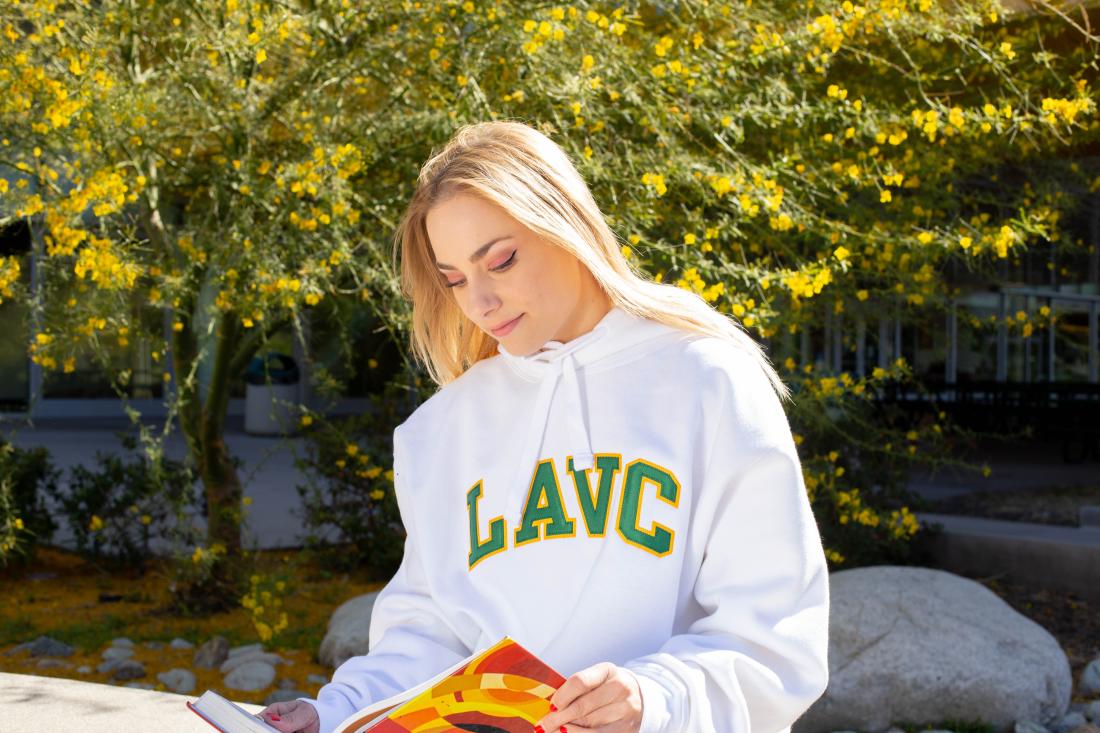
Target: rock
[(1028, 726), (256, 656), (251, 676), (1069, 722), (284, 696), (246, 649), (44, 646), (140, 685), (211, 654), (348, 633), (117, 652), (127, 669), (1086, 728), (122, 641), (51, 663), (179, 643), (317, 679), (1092, 711), (181, 681), (285, 684), (923, 645), (109, 666), (84, 669), (1090, 679), (153, 644)]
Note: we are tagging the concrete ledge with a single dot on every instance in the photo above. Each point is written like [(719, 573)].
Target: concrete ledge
[(55, 705), (1059, 558)]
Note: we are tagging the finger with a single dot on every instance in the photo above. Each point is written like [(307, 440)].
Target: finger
[(288, 716), (582, 693), (618, 711)]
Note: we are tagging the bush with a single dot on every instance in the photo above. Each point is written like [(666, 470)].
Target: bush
[(350, 492), (118, 510), (27, 476), (857, 452)]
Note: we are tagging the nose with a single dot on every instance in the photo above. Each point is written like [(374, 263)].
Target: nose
[(483, 297)]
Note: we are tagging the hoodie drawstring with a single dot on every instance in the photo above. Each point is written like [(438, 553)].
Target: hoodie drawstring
[(563, 369)]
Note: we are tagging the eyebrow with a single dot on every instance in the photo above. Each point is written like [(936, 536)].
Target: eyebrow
[(476, 255)]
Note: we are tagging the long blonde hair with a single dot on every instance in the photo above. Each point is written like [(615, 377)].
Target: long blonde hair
[(525, 173)]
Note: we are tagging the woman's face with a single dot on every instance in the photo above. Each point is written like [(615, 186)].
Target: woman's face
[(513, 285)]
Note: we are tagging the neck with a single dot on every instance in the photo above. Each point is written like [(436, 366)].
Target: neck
[(590, 310)]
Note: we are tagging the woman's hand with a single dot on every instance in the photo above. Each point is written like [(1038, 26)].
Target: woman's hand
[(294, 716), (604, 698)]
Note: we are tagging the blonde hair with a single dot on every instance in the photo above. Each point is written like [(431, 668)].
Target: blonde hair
[(525, 173)]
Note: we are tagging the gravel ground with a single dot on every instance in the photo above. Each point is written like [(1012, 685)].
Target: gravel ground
[(1054, 505)]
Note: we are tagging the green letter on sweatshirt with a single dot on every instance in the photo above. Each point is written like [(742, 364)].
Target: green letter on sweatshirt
[(595, 508), (544, 507), (480, 550), (659, 539)]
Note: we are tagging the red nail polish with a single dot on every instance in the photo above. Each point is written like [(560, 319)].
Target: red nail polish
[(553, 708), (563, 730), (538, 729), (275, 717)]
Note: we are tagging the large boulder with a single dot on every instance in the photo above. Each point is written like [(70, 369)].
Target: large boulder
[(348, 631), (923, 646)]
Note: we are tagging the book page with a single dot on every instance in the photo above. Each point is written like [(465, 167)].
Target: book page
[(227, 717), (370, 714)]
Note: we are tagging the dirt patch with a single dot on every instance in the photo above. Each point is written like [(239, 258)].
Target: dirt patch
[(1055, 505), (1069, 619)]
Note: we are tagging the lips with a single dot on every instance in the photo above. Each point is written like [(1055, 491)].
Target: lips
[(505, 328)]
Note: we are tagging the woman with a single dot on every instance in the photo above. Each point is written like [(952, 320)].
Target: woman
[(606, 476)]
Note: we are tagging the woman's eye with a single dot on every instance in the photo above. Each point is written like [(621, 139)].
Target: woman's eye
[(495, 268), (506, 264)]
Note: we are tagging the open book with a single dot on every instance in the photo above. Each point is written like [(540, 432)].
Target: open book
[(502, 687)]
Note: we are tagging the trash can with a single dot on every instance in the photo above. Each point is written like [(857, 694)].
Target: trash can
[(271, 395)]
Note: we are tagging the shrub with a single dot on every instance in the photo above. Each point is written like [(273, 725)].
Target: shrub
[(349, 491), (27, 476), (121, 509)]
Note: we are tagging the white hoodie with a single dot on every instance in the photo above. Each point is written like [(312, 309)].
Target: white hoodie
[(688, 554)]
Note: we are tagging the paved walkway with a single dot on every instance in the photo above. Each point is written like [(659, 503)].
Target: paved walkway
[(269, 475)]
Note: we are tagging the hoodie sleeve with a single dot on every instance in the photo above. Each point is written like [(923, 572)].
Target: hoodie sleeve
[(756, 658), (411, 639)]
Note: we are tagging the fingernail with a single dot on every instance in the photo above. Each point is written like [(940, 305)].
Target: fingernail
[(275, 717), (553, 708), (563, 730), (538, 729)]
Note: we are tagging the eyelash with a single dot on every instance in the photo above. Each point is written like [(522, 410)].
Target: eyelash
[(499, 268)]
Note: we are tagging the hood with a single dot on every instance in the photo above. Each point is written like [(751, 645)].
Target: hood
[(619, 337)]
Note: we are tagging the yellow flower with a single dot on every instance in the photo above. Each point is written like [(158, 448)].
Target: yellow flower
[(841, 253), (587, 62), (377, 494), (96, 524), (306, 421), (351, 449), (146, 519)]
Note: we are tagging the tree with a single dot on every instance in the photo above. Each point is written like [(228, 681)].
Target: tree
[(789, 161)]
